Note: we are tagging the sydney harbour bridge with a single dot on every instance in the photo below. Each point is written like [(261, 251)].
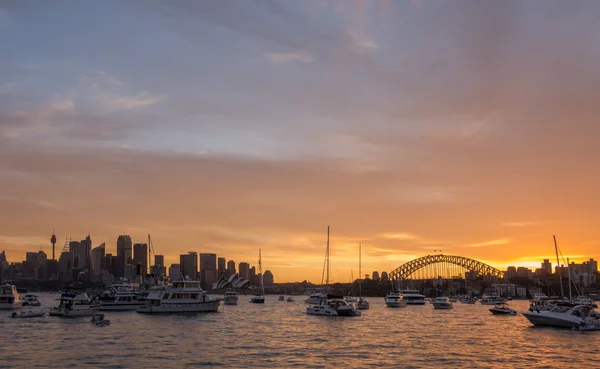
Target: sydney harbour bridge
[(444, 266)]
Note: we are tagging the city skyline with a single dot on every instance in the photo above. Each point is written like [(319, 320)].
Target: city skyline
[(465, 126)]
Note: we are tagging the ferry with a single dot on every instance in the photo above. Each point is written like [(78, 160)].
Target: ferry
[(182, 297), (9, 297), (412, 297)]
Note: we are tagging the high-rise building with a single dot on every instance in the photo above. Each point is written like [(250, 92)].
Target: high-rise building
[(252, 277), (82, 253), (140, 256), (244, 270), (31, 257), (524, 272), (124, 254), (511, 272), (384, 277), (99, 258), (268, 279), (375, 276), (109, 263), (208, 270), (189, 265), (546, 267), (222, 269), (230, 268), (159, 269), (42, 257), (175, 272)]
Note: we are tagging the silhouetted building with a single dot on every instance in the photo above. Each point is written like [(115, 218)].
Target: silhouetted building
[(99, 258), (546, 267), (175, 272), (208, 270), (511, 272), (253, 279), (375, 276), (31, 257), (140, 256), (221, 269), (124, 254), (109, 262), (159, 269), (189, 265), (524, 272), (230, 268), (51, 269), (244, 270), (268, 279), (384, 276)]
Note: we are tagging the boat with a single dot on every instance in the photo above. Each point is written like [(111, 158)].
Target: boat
[(259, 298), (31, 300), (290, 299), (442, 302), (412, 297), (362, 303), (281, 298), (492, 299), (121, 297), (230, 298), (564, 317), (184, 296), (331, 305), (315, 297), (98, 319), (28, 314), (502, 309), (74, 304), (351, 299), (9, 297), (394, 300)]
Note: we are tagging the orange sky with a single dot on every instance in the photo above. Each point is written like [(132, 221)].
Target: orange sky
[(469, 127)]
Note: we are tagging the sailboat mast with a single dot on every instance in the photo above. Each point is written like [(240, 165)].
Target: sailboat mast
[(359, 271), (562, 292), (327, 259), (569, 271), (262, 284)]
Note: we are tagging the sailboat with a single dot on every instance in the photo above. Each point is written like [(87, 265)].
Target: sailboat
[(259, 298), (350, 297), (362, 304), (331, 305)]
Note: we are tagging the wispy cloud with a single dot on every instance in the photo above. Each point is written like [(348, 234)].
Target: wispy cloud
[(497, 242), (140, 100), (280, 58), (100, 79)]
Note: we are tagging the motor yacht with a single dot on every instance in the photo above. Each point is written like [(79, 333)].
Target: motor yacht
[(564, 317), (412, 297), (74, 304), (184, 296), (9, 297), (333, 306), (442, 302), (315, 297), (362, 304), (230, 298), (31, 300), (492, 299), (122, 301), (502, 309), (351, 299), (395, 300)]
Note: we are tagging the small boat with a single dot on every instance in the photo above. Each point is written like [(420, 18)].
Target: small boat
[(394, 300), (502, 309), (442, 303), (31, 300), (315, 297), (74, 304), (362, 304), (492, 299), (9, 297), (120, 297), (290, 299), (98, 319), (259, 298), (29, 314), (281, 298), (230, 298)]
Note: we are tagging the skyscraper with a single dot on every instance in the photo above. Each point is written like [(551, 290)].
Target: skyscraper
[(244, 270), (175, 272), (99, 258), (230, 268), (159, 269), (222, 270), (140, 256), (252, 276), (188, 264), (375, 276), (208, 270), (124, 254), (268, 278)]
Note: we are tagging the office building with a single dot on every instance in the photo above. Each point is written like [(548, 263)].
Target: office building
[(189, 265), (268, 278), (244, 270), (124, 254), (99, 258), (546, 268), (221, 268), (175, 272), (230, 268), (375, 276), (140, 256), (208, 270)]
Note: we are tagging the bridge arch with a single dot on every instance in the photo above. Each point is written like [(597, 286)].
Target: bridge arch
[(405, 270)]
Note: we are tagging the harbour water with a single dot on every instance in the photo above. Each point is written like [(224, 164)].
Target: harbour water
[(279, 334)]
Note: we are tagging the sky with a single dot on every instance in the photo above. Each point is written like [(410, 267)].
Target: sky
[(469, 127)]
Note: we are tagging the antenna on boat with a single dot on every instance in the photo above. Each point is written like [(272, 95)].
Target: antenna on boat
[(562, 292)]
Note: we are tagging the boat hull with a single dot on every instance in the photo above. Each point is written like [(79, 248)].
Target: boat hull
[(257, 300), (29, 314), (230, 300), (362, 305), (199, 307), (548, 320), (74, 313), (415, 302), (321, 310), (503, 312), (14, 305), (120, 307), (442, 306), (396, 304)]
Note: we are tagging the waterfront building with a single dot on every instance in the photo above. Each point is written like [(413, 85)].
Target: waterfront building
[(511, 272)]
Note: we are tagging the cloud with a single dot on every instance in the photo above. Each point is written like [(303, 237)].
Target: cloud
[(100, 79), (279, 58), (140, 100), (497, 242)]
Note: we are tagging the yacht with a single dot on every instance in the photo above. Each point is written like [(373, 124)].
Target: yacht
[(74, 304), (492, 299), (362, 303), (9, 297), (290, 299), (351, 299), (230, 298), (315, 297), (412, 297), (394, 299), (331, 305), (564, 317), (442, 303), (184, 296), (539, 297), (122, 301), (259, 298), (31, 300), (502, 309)]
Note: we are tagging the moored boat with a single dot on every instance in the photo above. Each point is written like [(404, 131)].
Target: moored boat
[(31, 300), (442, 302), (502, 309), (394, 300), (564, 317), (412, 297), (74, 304), (9, 297), (184, 296), (230, 298), (29, 314)]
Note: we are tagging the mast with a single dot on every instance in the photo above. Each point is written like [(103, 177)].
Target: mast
[(359, 271), (262, 285), (569, 271), (327, 261), (562, 292)]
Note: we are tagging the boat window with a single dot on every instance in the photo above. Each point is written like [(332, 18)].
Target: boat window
[(194, 296)]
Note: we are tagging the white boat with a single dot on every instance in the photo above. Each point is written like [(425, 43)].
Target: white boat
[(290, 299), (351, 299), (442, 302), (394, 300), (98, 319), (31, 300), (561, 317), (315, 297), (362, 303), (9, 297), (331, 305), (259, 298), (74, 305), (539, 297), (492, 299), (230, 298), (123, 301), (28, 314), (502, 309), (412, 297), (184, 296)]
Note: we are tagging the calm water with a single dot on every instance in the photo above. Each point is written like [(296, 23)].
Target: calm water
[(280, 334)]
